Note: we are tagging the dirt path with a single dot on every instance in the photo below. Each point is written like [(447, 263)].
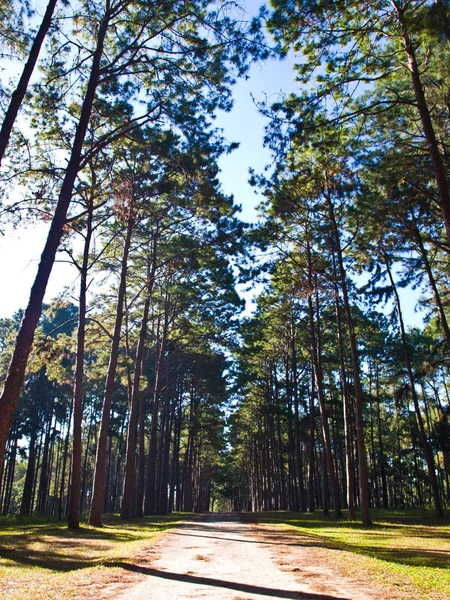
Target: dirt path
[(219, 557)]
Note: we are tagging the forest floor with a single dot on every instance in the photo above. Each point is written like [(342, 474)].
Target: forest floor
[(225, 556)]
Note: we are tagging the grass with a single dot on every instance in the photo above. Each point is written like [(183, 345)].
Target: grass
[(403, 547), (43, 559)]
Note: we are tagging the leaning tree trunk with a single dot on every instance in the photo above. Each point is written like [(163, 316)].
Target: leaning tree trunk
[(440, 172), (423, 436), (437, 297), (95, 516), (19, 93), (16, 372)]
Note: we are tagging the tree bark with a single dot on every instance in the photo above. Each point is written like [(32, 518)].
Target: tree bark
[(16, 372), (130, 506), (20, 91), (318, 378), (73, 515), (95, 516), (359, 400), (437, 298), (350, 476), (440, 173), (61, 505), (311, 455), (25, 507), (150, 489), (423, 436)]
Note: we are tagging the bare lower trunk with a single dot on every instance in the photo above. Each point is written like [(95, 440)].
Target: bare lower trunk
[(95, 517), (423, 436), (150, 489), (318, 378), (359, 400), (73, 515), (311, 457), (130, 506), (348, 439)]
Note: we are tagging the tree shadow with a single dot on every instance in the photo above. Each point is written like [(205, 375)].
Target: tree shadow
[(230, 585), (372, 546), (230, 539), (57, 548)]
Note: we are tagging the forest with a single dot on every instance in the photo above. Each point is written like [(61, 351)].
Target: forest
[(150, 388)]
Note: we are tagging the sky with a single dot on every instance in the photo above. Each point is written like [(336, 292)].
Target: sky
[(20, 249)]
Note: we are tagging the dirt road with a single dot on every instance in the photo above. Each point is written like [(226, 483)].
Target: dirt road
[(219, 557)]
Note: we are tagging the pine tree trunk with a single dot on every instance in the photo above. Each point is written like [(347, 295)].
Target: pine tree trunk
[(175, 488), (423, 436), (165, 454), (150, 489), (375, 485), (73, 515), (25, 507), (437, 298), (85, 461), (131, 500), (44, 474), (61, 504), (318, 378), (359, 400), (16, 372), (311, 455), (141, 459), (19, 93), (350, 476), (95, 517), (9, 480), (36, 471), (107, 489), (382, 460), (440, 173), (188, 468)]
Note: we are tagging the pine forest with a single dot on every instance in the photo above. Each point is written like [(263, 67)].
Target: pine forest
[(202, 362)]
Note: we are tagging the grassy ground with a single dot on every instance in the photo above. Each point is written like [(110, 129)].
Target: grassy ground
[(402, 547), (45, 560)]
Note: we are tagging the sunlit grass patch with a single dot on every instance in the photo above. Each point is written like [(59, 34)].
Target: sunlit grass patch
[(401, 546), (45, 560)]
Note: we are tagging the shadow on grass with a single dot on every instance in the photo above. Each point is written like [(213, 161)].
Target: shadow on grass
[(51, 545), (369, 540)]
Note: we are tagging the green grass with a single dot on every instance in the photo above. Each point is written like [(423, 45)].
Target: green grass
[(44, 559), (403, 547)]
